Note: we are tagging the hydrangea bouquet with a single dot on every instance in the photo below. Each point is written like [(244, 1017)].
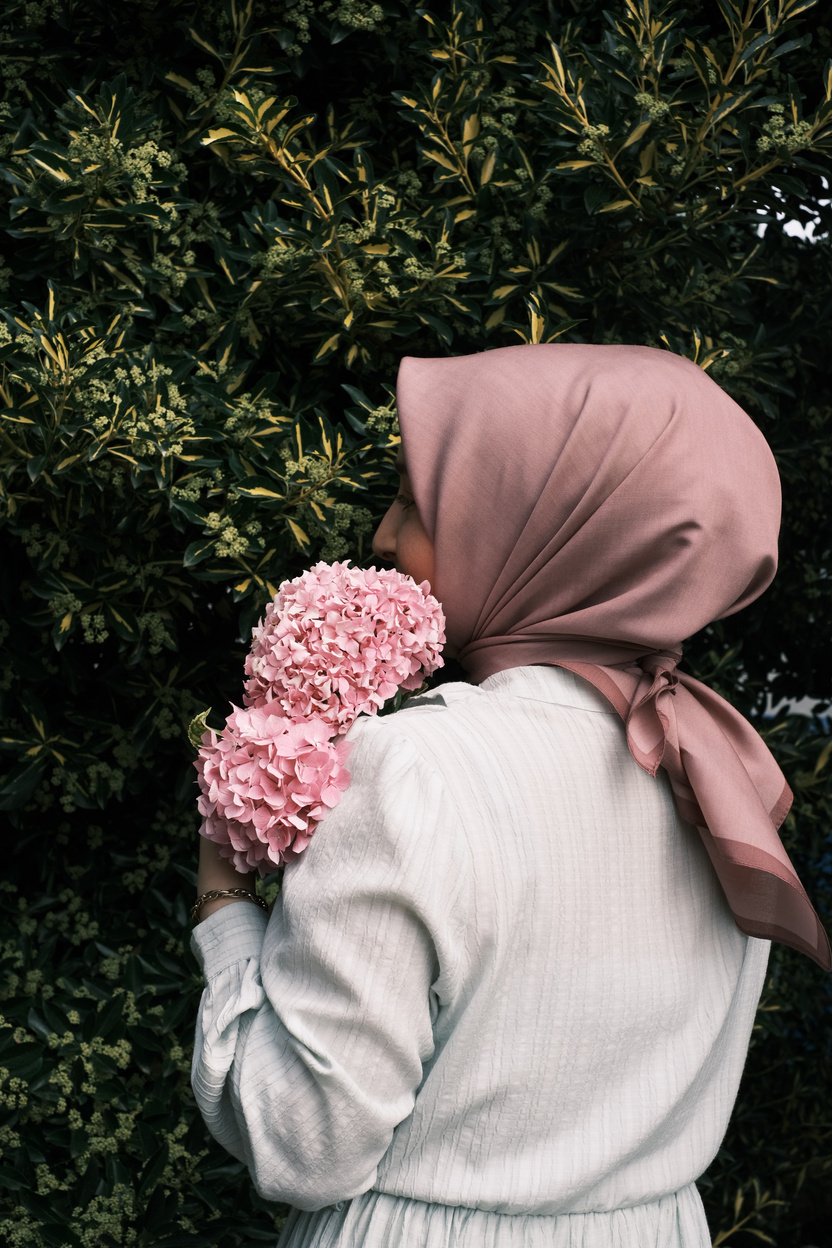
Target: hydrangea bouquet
[(335, 643)]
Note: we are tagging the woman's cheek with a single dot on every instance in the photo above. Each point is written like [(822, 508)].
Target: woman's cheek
[(414, 551)]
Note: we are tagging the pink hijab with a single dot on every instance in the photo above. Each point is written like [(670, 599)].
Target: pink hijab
[(590, 508)]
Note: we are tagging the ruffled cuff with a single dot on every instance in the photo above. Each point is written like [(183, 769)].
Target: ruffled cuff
[(232, 934)]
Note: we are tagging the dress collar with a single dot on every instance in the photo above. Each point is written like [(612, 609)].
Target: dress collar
[(544, 683)]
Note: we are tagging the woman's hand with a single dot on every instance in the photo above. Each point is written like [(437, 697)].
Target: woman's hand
[(217, 872)]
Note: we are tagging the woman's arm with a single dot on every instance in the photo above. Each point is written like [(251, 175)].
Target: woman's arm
[(312, 1035), (216, 872)]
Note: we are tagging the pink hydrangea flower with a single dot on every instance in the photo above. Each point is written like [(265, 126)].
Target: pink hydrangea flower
[(335, 643), (266, 784), (339, 641)]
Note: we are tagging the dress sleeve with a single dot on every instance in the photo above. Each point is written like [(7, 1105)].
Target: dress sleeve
[(314, 1026)]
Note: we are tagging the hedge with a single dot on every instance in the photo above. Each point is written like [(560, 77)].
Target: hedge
[(222, 227)]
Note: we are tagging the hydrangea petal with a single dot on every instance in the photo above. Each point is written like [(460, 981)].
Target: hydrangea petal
[(335, 643)]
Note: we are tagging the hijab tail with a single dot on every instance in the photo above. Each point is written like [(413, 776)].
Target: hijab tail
[(739, 815), (764, 903)]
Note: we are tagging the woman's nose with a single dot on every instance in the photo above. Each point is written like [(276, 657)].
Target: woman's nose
[(384, 539)]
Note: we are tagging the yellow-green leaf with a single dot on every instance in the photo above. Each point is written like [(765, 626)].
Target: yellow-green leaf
[(570, 291), (197, 727), (203, 44), (56, 173), (125, 624), (470, 130), (823, 758), (258, 491), (178, 79), (556, 68), (213, 136), (48, 348), (122, 277), (441, 159), (298, 534), (326, 348), (635, 135)]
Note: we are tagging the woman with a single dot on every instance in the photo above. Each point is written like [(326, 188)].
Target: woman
[(506, 994)]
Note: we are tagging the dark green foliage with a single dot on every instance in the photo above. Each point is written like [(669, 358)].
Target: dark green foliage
[(222, 227)]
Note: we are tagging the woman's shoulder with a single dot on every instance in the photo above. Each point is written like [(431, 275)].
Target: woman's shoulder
[(451, 694), (421, 714)]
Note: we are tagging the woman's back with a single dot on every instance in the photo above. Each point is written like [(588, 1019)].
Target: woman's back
[(504, 995), (595, 996)]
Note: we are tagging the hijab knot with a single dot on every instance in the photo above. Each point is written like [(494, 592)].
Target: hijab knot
[(662, 663), (649, 723)]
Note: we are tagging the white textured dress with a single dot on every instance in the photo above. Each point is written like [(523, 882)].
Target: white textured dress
[(501, 1001)]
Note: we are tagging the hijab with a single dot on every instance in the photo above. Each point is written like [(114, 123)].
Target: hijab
[(591, 507)]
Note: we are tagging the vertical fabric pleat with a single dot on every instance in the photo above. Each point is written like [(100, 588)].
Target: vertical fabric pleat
[(375, 1220)]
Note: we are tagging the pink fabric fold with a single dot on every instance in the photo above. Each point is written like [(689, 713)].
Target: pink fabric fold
[(592, 507)]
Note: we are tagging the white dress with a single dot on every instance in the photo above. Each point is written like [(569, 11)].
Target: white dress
[(501, 1000)]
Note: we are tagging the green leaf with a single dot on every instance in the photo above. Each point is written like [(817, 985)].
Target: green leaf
[(731, 103), (198, 551), (153, 1171), (11, 1180), (594, 197), (755, 46), (123, 622), (359, 397), (21, 784), (438, 325)]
